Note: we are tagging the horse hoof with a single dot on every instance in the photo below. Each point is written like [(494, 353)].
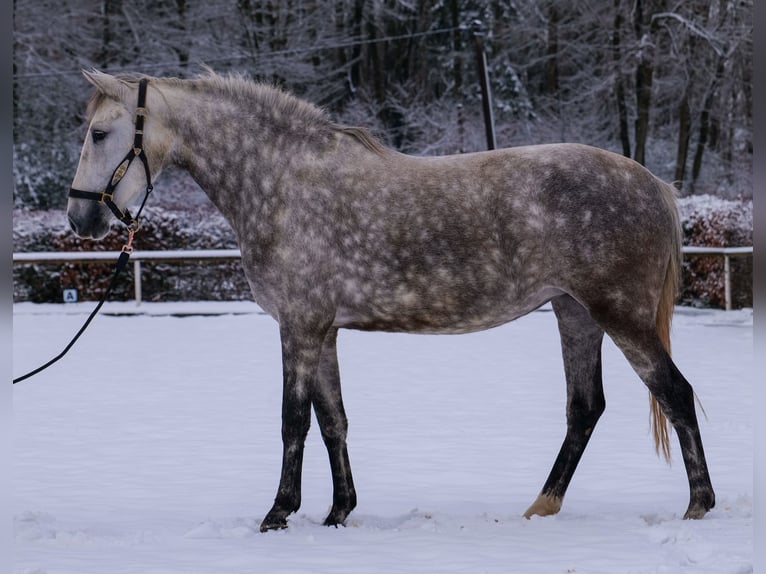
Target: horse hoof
[(697, 511), (700, 506), (336, 518), (695, 514), (274, 520), (544, 505)]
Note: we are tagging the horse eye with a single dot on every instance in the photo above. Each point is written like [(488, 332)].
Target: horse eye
[(98, 135)]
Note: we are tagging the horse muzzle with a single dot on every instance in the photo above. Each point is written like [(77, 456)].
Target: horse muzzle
[(90, 221)]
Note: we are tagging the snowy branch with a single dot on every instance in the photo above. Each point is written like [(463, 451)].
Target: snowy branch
[(710, 38)]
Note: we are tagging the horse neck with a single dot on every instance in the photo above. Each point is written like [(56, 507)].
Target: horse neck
[(237, 151)]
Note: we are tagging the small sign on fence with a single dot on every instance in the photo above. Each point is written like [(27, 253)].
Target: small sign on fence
[(70, 295)]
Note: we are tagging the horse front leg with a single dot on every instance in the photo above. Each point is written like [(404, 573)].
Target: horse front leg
[(328, 406), (301, 351)]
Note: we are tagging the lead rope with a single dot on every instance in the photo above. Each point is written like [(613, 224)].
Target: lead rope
[(127, 249)]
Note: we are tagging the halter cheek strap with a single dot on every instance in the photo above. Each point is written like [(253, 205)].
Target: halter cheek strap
[(107, 195)]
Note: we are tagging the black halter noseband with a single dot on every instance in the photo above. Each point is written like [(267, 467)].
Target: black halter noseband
[(137, 151)]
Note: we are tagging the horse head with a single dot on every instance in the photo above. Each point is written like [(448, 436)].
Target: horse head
[(108, 181)]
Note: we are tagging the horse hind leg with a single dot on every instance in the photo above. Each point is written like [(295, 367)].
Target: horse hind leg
[(647, 355), (581, 339)]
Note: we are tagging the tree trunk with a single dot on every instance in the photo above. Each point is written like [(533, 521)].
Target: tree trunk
[(644, 75), (704, 130), (552, 52), (106, 35), (646, 29), (619, 88), (457, 50), (684, 130), (246, 13), (356, 51), (457, 71), (376, 57), (182, 50)]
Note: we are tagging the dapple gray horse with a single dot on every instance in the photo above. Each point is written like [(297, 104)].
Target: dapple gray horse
[(338, 231)]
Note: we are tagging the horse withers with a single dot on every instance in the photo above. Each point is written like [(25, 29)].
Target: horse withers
[(338, 231)]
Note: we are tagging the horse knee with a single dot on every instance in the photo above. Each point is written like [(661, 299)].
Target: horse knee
[(295, 425), (331, 416)]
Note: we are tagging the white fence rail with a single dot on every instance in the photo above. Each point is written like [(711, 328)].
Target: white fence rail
[(40, 257)]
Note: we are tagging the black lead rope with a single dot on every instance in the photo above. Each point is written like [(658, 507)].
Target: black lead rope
[(121, 262), (106, 197)]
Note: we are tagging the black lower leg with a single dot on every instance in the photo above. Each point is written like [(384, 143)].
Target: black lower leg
[(288, 499), (301, 351), (653, 364), (344, 494), (677, 402)]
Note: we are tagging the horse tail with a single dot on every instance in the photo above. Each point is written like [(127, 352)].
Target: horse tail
[(668, 297)]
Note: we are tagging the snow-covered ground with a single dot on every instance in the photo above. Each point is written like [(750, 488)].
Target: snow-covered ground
[(154, 448)]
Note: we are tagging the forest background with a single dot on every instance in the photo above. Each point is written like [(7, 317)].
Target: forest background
[(668, 83)]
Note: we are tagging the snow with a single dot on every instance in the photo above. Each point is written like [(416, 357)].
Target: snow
[(705, 206), (154, 448)]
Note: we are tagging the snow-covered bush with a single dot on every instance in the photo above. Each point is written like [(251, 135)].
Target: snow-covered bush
[(714, 222), (161, 229)]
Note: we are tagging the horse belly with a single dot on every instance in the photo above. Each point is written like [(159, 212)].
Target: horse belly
[(440, 267), (431, 306)]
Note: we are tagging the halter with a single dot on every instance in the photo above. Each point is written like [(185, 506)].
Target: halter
[(106, 196)]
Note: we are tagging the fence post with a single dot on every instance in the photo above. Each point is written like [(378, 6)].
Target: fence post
[(137, 280), (727, 281)]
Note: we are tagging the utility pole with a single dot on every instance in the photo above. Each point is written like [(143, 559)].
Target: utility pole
[(486, 93)]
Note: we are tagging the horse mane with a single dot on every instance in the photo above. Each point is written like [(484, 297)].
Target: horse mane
[(241, 88), (245, 90), (274, 97), (364, 136)]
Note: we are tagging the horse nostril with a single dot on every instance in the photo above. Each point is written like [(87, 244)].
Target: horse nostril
[(72, 224)]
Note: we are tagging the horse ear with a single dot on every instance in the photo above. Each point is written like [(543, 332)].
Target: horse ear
[(105, 83)]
